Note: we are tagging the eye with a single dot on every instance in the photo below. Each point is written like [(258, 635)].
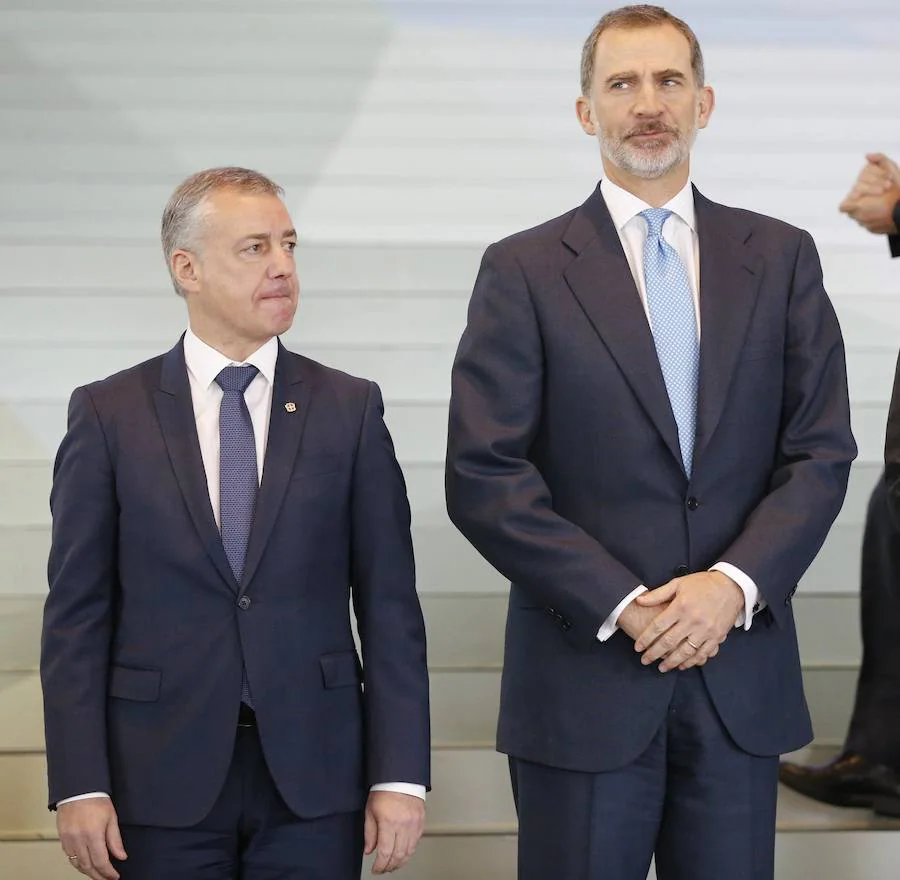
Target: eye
[(291, 246), (618, 85), (671, 82), (252, 248)]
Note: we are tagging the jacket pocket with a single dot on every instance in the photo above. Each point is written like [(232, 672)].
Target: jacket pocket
[(129, 683), (340, 669)]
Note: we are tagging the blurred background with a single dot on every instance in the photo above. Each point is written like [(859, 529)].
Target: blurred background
[(408, 134)]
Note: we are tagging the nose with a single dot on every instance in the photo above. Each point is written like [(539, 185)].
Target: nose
[(282, 263), (647, 101)]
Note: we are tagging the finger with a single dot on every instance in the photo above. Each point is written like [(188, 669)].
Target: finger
[(659, 596), (684, 653), (400, 855), (708, 649), (83, 863), (370, 833), (100, 862), (385, 849), (878, 159), (871, 188), (667, 644), (663, 622), (114, 841)]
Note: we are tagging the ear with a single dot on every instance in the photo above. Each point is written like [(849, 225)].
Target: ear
[(585, 115), (706, 103), (185, 270)]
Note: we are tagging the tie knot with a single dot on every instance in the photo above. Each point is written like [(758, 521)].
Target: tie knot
[(655, 218), (236, 378)]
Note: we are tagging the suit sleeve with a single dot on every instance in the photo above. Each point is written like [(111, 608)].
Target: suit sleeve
[(787, 529), (389, 617), (496, 496), (892, 451), (894, 240), (77, 627)]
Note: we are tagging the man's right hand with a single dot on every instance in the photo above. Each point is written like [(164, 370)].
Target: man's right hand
[(89, 831)]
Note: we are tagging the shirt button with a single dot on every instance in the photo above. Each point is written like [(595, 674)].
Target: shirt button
[(244, 603), (692, 503)]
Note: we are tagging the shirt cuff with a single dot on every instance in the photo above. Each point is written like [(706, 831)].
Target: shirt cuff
[(611, 624), (753, 602), (401, 788), (82, 797)]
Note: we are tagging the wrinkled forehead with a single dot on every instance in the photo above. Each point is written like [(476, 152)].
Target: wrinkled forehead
[(235, 214), (641, 50)]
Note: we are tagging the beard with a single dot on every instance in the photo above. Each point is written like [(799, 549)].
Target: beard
[(652, 160)]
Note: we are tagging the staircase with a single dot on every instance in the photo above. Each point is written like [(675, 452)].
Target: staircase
[(409, 134)]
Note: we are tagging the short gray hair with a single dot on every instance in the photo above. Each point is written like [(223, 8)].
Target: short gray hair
[(631, 18), (182, 217)]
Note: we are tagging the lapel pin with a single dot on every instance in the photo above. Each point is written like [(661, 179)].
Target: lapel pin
[(290, 406)]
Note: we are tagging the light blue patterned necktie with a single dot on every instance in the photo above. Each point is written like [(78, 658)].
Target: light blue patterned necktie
[(238, 475), (674, 324)]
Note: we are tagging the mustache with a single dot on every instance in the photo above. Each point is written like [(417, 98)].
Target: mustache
[(652, 128)]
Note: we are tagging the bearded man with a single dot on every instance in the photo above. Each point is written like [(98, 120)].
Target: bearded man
[(650, 437)]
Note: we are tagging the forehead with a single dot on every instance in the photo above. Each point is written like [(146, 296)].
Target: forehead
[(660, 47), (236, 212)]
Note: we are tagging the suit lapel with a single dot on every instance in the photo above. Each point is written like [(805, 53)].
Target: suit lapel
[(290, 404), (601, 280), (179, 429), (730, 275)]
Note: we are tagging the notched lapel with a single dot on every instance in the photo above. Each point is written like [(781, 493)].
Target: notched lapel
[(179, 429), (601, 281), (290, 405), (730, 276)]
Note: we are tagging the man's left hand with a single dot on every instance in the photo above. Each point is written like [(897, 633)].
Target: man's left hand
[(703, 608), (874, 213), (394, 824)]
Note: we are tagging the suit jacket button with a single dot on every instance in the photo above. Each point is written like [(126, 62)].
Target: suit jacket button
[(692, 503), (681, 571), (244, 603)]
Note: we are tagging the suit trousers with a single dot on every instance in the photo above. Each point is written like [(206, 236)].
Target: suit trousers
[(702, 805), (249, 834), (875, 725)]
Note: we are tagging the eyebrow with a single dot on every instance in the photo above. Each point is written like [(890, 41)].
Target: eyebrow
[(264, 236), (668, 73)]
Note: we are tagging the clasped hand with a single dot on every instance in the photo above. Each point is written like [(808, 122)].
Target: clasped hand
[(683, 622), (874, 196)]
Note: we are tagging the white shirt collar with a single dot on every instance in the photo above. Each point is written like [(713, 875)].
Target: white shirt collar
[(624, 206), (205, 363)]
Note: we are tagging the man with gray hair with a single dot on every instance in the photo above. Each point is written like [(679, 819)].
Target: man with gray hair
[(214, 511), (650, 437)]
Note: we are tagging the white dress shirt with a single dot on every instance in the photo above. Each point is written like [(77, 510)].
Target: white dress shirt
[(680, 231), (204, 363)]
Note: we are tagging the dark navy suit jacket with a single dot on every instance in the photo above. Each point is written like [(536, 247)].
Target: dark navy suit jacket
[(564, 472), (145, 628)]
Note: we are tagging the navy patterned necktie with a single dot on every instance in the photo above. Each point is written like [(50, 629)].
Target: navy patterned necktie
[(238, 476), (673, 320)]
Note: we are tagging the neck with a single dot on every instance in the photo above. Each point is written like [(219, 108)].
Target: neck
[(656, 192), (235, 349)]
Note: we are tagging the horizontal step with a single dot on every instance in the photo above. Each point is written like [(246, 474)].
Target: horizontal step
[(25, 488), (466, 630), (464, 706), (471, 795), (324, 318), (857, 266), (31, 429), (849, 855)]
